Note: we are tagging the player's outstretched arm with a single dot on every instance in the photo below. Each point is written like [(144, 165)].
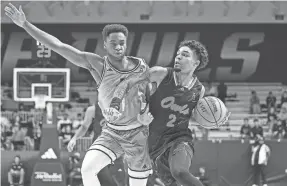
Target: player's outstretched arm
[(157, 74), (90, 112), (72, 54)]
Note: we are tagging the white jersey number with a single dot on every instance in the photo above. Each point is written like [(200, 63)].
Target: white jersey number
[(172, 118)]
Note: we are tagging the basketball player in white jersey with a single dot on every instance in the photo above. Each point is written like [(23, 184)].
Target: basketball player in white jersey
[(126, 134)]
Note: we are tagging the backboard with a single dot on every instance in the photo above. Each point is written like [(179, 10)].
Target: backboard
[(53, 83)]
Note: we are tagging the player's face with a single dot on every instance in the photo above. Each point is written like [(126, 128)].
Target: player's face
[(185, 60), (116, 45)]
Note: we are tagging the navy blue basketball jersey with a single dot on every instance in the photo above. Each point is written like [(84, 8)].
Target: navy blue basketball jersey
[(172, 105)]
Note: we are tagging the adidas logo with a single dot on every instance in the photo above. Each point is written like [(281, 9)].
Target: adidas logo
[(49, 154)]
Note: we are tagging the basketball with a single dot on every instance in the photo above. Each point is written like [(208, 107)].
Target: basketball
[(210, 112)]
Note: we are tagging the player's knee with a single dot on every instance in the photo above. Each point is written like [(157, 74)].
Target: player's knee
[(86, 168), (94, 162)]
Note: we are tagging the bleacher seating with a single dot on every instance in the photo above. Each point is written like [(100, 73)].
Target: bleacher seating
[(214, 9), (91, 11), (138, 9), (238, 9)]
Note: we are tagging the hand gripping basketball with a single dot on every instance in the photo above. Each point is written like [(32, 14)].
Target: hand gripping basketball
[(211, 112), (225, 119), (146, 117)]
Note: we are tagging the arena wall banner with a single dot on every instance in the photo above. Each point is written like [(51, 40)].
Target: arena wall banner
[(238, 52), (227, 163)]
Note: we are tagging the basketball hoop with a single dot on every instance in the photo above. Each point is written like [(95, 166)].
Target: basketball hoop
[(40, 101)]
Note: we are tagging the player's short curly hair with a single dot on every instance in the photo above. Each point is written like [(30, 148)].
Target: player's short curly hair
[(113, 28), (200, 51)]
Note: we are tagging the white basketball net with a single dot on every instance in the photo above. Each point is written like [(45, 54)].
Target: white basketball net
[(40, 101)]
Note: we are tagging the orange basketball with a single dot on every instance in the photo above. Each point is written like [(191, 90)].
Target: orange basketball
[(210, 112)]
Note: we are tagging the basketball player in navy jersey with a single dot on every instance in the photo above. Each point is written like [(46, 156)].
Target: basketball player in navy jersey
[(170, 140), (93, 115)]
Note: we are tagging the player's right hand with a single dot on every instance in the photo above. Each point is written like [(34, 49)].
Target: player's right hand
[(225, 119), (71, 144), (146, 117), (111, 114), (17, 16)]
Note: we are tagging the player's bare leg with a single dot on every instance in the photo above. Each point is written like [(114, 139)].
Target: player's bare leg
[(138, 178), (135, 178), (93, 163), (180, 161)]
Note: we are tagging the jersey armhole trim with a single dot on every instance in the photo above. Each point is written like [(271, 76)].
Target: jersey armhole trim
[(90, 67), (169, 76), (102, 75), (144, 62)]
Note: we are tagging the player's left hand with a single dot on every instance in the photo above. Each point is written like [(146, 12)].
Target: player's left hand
[(146, 117), (111, 114), (225, 119)]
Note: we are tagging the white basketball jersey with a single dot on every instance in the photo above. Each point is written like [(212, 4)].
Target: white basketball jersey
[(112, 77)]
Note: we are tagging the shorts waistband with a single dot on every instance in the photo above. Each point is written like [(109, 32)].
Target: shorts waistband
[(124, 127)]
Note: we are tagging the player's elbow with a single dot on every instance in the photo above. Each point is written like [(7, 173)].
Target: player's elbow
[(55, 44), (179, 173), (157, 73)]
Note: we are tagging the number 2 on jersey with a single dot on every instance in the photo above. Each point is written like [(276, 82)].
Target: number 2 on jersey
[(172, 118)]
